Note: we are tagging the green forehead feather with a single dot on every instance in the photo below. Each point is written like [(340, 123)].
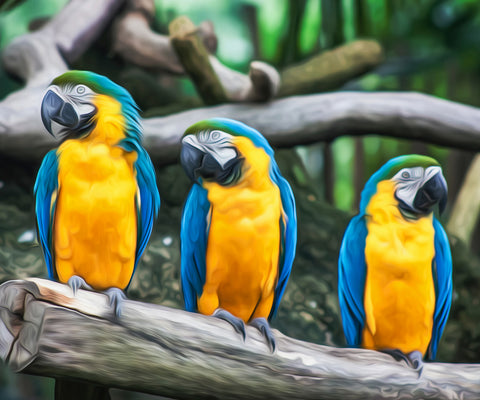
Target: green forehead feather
[(86, 78), (408, 161)]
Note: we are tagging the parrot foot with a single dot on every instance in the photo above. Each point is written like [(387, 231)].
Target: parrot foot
[(116, 297), (264, 327), (236, 322), (413, 359), (76, 282)]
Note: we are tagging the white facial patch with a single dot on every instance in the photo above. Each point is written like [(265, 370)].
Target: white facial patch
[(410, 180), (216, 143), (79, 96)]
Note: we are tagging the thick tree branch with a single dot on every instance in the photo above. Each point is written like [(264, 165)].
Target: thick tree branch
[(324, 117), (293, 121), (37, 58), (182, 355), (215, 82), (331, 69), (136, 42)]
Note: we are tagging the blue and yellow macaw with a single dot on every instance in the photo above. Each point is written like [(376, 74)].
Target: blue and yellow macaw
[(239, 227), (96, 195), (395, 265)]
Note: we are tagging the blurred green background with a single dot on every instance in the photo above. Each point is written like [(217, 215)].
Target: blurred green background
[(431, 46)]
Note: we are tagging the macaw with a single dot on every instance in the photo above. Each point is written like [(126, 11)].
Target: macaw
[(239, 228), (395, 265), (96, 194)]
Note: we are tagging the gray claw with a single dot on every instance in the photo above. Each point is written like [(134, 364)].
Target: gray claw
[(414, 359), (236, 322), (76, 282), (116, 297), (264, 327)]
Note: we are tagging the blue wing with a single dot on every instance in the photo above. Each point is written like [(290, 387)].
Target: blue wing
[(148, 201), (194, 236), (45, 192), (288, 227), (442, 276), (352, 270)]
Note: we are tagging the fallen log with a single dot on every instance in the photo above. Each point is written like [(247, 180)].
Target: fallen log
[(173, 353)]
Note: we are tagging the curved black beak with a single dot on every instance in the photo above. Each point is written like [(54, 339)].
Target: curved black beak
[(54, 108), (432, 192), (199, 163), (192, 159)]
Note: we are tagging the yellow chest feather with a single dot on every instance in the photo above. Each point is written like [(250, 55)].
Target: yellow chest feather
[(95, 226), (243, 246), (399, 290)]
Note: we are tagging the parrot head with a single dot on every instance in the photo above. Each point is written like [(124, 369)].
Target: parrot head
[(74, 101), (419, 184), (211, 150)]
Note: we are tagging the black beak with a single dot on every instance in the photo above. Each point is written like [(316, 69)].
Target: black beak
[(191, 159), (54, 108), (198, 163), (432, 192)]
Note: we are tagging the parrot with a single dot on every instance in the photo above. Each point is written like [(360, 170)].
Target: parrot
[(395, 264), (95, 195), (239, 227)]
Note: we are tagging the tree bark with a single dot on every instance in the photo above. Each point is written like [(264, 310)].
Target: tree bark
[(39, 57), (136, 42), (324, 117), (215, 82), (177, 354), (288, 122), (331, 69)]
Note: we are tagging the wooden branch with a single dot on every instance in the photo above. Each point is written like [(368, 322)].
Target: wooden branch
[(136, 42), (324, 117), (37, 58), (173, 353), (331, 69), (465, 211), (292, 121), (195, 59), (215, 82)]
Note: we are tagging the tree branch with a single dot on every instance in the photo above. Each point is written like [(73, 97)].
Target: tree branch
[(215, 82), (331, 69), (177, 354), (37, 58), (324, 117), (136, 42), (293, 121)]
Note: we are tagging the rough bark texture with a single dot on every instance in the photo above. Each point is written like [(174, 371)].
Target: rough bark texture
[(331, 69), (177, 354)]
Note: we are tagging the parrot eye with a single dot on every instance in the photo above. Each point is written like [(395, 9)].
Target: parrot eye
[(80, 89), (215, 135), (405, 174)]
